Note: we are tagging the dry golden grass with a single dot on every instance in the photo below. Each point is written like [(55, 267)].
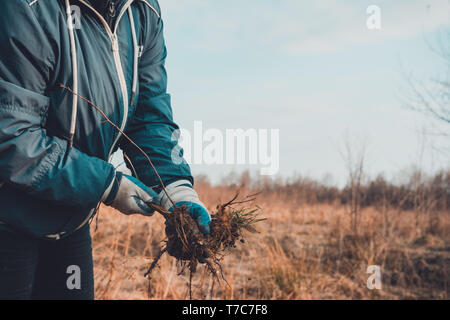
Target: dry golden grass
[(302, 252)]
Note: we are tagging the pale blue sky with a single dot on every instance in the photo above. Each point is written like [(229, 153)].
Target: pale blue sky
[(309, 68)]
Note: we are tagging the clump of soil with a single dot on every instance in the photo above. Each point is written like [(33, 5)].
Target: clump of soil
[(190, 247)]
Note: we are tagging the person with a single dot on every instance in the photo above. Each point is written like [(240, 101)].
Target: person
[(55, 57)]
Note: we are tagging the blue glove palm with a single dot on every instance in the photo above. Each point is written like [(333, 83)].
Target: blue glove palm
[(182, 193)]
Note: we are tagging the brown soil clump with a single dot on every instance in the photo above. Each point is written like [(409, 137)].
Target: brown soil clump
[(190, 247)]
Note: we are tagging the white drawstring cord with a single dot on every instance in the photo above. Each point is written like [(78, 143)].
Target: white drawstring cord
[(75, 65), (135, 57), (75, 73), (152, 8)]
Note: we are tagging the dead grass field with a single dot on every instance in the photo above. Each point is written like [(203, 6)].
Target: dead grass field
[(301, 252)]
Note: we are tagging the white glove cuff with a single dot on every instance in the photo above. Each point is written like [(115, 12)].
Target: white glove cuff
[(179, 191)]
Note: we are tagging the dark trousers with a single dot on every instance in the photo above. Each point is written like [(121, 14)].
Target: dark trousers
[(44, 269)]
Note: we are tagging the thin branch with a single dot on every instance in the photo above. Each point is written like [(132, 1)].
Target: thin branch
[(126, 136)]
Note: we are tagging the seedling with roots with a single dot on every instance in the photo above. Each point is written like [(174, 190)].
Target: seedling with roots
[(190, 247), (184, 240)]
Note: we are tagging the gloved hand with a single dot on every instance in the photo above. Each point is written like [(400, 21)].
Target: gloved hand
[(182, 193), (129, 195)]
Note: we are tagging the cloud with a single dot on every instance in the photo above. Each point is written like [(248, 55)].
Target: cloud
[(298, 27)]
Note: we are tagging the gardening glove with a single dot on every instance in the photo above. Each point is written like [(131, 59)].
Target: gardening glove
[(182, 193), (129, 195)]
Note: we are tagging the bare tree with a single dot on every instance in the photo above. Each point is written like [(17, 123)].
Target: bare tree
[(354, 153), (432, 96)]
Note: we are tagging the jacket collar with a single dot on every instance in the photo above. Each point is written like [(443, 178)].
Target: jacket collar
[(102, 9), (97, 4), (102, 5)]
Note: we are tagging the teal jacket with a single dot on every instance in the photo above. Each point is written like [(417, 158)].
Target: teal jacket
[(54, 147)]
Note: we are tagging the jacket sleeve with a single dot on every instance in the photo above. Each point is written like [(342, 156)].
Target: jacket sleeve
[(152, 128), (31, 161)]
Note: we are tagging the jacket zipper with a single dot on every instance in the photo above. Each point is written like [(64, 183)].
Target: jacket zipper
[(118, 64)]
